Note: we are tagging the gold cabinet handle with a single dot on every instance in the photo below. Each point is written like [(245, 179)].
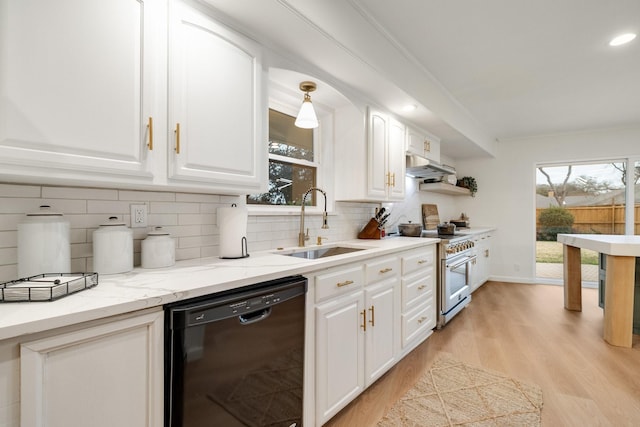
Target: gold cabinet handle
[(373, 320), (422, 319), (364, 320), (427, 146), (421, 287), (386, 270), (486, 253), (345, 283), (422, 261), (387, 180), (177, 131), (150, 128), (393, 177)]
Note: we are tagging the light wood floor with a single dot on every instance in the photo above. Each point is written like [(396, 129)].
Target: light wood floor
[(523, 331)]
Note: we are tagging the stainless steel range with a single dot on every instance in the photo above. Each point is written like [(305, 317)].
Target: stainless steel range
[(454, 259)]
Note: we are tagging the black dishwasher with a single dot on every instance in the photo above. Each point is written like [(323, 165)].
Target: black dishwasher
[(235, 358)]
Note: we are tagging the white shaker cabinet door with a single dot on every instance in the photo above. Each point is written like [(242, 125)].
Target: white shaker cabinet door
[(396, 160), (378, 174), (75, 88), (102, 376), (216, 123), (339, 354), (382, 316)]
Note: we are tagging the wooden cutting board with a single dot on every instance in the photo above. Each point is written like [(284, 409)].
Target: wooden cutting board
[(430, 218)]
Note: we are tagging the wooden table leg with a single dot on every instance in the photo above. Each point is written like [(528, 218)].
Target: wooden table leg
[(618, 300), (572, 278)]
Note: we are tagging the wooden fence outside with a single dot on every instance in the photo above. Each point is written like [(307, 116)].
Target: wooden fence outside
[(598, 219)]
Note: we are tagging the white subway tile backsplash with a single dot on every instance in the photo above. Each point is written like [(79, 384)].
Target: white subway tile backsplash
[(178, 208), (15, 190), (187, 219), (8, 239), (79, 193), (10, 222), (109, 207), (187, 253), (162, 220), (8, 272), (190, 219), (149, 196), (204, 198), (8, 256)]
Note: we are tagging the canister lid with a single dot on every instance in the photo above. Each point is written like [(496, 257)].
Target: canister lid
[(45, 210), (158, 231), (113, 221)]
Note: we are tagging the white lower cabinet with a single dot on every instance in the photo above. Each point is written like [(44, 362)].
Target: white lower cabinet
[(106, 375), (419, 303), (339, 354), (357, 330), (481, 266)]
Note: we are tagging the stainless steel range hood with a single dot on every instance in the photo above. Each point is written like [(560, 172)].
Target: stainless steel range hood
[(420, 167)]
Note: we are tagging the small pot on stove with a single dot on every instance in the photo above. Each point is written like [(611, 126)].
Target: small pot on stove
[(410, 229), (446, 228)]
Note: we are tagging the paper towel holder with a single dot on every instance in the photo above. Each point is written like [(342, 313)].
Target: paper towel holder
[(243, 246), (245, 252)]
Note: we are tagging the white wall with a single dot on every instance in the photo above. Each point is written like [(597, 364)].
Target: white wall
[(506, 195)]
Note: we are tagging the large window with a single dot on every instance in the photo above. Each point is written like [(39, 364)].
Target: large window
[(292, 163), (583, 198)]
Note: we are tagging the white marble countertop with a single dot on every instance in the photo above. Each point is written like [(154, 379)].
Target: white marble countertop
[(146, 288), (619, 245)]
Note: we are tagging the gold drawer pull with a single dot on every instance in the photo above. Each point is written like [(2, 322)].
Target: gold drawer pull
[(421, 287), (422, 319), (345, 283), (422, 261), (364, 320), (386, 270), (150, 127), (373, 320)]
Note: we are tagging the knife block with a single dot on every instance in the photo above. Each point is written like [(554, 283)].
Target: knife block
[(370, 231)]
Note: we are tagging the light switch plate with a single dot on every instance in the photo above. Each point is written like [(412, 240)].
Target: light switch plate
[(138, 215)]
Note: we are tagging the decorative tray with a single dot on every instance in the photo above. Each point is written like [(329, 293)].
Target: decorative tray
[(46, 287)]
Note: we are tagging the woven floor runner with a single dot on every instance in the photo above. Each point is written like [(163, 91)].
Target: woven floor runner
[(453, 393)]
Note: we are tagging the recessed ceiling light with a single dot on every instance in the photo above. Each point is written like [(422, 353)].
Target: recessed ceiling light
[(622, 39), (409, 107)]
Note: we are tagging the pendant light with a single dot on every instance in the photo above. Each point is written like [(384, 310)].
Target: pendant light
[(307, 118)]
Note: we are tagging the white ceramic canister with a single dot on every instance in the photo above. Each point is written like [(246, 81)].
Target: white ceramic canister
[(43, 243), (158, 249), (113, 247)]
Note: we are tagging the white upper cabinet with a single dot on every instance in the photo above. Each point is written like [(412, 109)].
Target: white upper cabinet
[(216, 105), (386, 157), (77, 87), (370, 156), (86, 86), (423, 144)]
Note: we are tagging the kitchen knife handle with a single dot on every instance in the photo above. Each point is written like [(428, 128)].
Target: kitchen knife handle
[(150, 127), (177, 131)]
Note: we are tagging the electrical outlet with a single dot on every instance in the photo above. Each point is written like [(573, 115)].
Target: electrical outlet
[(138, 216)]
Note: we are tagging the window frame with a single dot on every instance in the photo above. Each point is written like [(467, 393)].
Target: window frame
[(277, 102)]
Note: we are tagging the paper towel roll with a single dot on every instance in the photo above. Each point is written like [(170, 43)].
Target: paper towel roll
[(232, 223)]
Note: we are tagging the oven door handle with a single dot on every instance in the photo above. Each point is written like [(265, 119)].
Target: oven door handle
[(466, 261)]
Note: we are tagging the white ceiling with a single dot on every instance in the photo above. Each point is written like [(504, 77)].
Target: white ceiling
[(525, 67), (479, 70)]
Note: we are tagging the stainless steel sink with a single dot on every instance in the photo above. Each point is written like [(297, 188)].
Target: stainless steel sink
[(323, 252)]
